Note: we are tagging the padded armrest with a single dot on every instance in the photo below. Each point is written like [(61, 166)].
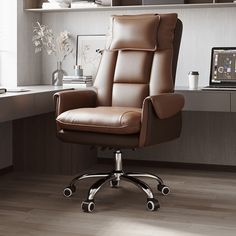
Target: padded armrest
[(167, 105), (72, 99)]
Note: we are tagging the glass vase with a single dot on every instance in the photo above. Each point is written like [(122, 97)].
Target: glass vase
[(57, 75)]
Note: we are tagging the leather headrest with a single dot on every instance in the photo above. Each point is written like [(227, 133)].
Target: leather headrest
[(135, 32)]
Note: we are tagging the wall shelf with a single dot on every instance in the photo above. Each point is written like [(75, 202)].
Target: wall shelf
[(135, 7)]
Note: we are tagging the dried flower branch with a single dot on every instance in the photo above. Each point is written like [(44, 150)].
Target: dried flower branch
[(44, 39)]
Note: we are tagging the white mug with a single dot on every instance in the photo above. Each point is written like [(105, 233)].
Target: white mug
[(193, 77)]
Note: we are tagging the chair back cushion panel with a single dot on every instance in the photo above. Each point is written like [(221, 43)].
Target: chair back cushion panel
[(133, 67), (131, 78), (134, 32), (129, 95), (161, 74), (104, 78), (166, 30)]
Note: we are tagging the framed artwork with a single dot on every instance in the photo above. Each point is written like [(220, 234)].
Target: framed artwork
[(88, 52)]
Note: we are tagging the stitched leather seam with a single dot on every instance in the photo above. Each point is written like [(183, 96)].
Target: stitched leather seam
[(97, 126)]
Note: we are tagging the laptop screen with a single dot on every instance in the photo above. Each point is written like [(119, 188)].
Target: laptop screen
[(223, 66)]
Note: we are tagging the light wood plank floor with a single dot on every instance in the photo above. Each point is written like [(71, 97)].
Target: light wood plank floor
[(200, 203)]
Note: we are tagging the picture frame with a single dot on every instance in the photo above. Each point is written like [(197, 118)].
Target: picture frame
[(88, 52)]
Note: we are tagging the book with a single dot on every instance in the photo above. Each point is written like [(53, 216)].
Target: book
[(81, 85), (104, 2), (2, 90), (49, 5), (77, 78), (77, 82), (83, 4)]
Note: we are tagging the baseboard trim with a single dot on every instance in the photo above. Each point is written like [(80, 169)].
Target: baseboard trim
[(174, 165), (6, 170)]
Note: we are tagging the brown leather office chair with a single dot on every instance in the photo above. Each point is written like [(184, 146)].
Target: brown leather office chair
[(133, 103)]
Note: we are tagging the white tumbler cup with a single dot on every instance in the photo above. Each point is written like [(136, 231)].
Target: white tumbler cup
[(193, 77)]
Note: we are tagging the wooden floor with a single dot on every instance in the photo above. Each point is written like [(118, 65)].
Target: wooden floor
[(200, 203)]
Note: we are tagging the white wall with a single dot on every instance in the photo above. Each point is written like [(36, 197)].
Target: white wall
[(18, 63), (29, 65), (8, 43), (203, 29)]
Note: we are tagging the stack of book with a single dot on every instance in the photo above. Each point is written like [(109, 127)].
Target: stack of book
[(55, 4), (83, 4), (73, 81), (104, 2)]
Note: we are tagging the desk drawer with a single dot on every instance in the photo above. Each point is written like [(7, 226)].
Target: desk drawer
[(233, 101), (16, 107), (207, 101)]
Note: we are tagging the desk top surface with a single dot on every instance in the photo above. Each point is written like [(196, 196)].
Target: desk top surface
[(201, 90), (35, 101), (37, 89), (38, 100)]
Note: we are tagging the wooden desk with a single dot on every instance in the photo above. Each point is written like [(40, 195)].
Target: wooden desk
[(208, 132), (203, 100), (38, 100), (28, 135)]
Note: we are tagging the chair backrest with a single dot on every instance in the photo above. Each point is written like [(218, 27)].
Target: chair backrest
[(140, 61)]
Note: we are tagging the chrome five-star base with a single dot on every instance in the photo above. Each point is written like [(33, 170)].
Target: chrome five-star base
[(114, 178)]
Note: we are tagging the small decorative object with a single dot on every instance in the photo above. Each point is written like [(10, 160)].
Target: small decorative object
[(57, 75), (78, 70), (59, 46)]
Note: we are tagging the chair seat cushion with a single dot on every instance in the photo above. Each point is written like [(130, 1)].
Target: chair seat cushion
[(115, 120)]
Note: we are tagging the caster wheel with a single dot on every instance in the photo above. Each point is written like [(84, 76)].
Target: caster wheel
[(68, 191), (163, 189), (88, 206), (114, 183), (152, 204)]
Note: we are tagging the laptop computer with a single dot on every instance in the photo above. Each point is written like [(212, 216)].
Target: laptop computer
[(223, 69)]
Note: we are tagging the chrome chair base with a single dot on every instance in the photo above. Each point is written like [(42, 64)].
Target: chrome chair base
[(114, 179)]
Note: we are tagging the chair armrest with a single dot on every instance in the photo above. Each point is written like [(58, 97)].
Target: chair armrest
[(72, 99), (161, 118), (166, 105)]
